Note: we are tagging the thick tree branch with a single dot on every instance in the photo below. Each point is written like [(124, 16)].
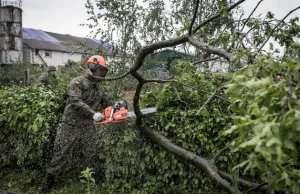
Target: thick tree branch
[(217, 51), (220, 52), (147, 50), (152, 47), (189, 157)]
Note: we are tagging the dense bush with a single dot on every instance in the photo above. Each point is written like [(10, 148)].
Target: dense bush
[(28, 116)]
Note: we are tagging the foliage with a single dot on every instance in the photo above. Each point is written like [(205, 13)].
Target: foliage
[(17, 75), (88, 180), (266, 109), (28, 115)]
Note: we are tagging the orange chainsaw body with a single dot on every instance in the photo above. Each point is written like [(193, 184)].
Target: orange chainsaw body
[(112, 115)]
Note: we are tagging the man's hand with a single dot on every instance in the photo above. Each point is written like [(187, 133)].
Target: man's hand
[(98, 117)]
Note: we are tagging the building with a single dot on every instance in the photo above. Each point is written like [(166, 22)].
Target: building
[(33, 46), (48, 48)]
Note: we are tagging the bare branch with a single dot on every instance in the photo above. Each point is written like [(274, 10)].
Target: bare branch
[(219, 37), (257, 187), (217, 16), (207, 101), (273, 30), (240, 19), (251, 14), (157, 81), (219, 153), (179, 97), (194, 18), (206, 60), (203, 91)]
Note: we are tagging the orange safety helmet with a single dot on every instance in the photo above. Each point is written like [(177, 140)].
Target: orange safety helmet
[(95, 62)]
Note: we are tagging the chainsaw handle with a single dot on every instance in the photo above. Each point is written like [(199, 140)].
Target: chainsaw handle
[(105, 122)]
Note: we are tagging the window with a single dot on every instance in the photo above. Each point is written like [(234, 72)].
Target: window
[(48, 54), (36, 51)]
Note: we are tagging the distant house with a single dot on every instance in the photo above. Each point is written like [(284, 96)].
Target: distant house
[(163, 59), (48, 48), (159, 64)]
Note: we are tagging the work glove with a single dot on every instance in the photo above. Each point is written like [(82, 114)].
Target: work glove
[(98, 117)]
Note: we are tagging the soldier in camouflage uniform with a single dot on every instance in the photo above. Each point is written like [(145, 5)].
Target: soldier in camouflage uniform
[(49, 79), (85, 94)]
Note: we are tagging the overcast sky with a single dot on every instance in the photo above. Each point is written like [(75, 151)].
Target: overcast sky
[(64, 16)]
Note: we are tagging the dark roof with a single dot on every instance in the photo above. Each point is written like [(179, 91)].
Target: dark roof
[(43, 40), (44, 45), (75, 44), (33, 34)]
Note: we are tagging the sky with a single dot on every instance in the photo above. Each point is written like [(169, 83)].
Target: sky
[(64, 16)]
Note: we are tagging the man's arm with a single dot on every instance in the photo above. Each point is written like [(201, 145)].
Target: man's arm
[(75, 98)]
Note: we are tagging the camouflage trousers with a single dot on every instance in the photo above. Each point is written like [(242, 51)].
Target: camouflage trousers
[(72, 141)]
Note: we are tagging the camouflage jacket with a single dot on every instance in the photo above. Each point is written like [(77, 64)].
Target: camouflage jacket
[(49, 80), (85, 94)]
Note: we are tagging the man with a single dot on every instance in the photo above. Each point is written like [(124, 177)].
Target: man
[(49, 79), (77, 129)]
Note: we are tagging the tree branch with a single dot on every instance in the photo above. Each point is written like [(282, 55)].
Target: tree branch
[(219, 153), (207, 101), (217, 16), (220, 52), (206, 60), (273, 30), (189, 157), (194, 18), (257, 187), (203, 91), (217, 51), (251, 14), (157, 81), (147, 50), (248, 184)]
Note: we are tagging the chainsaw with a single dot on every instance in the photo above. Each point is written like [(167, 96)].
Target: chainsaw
[(119, 113)]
